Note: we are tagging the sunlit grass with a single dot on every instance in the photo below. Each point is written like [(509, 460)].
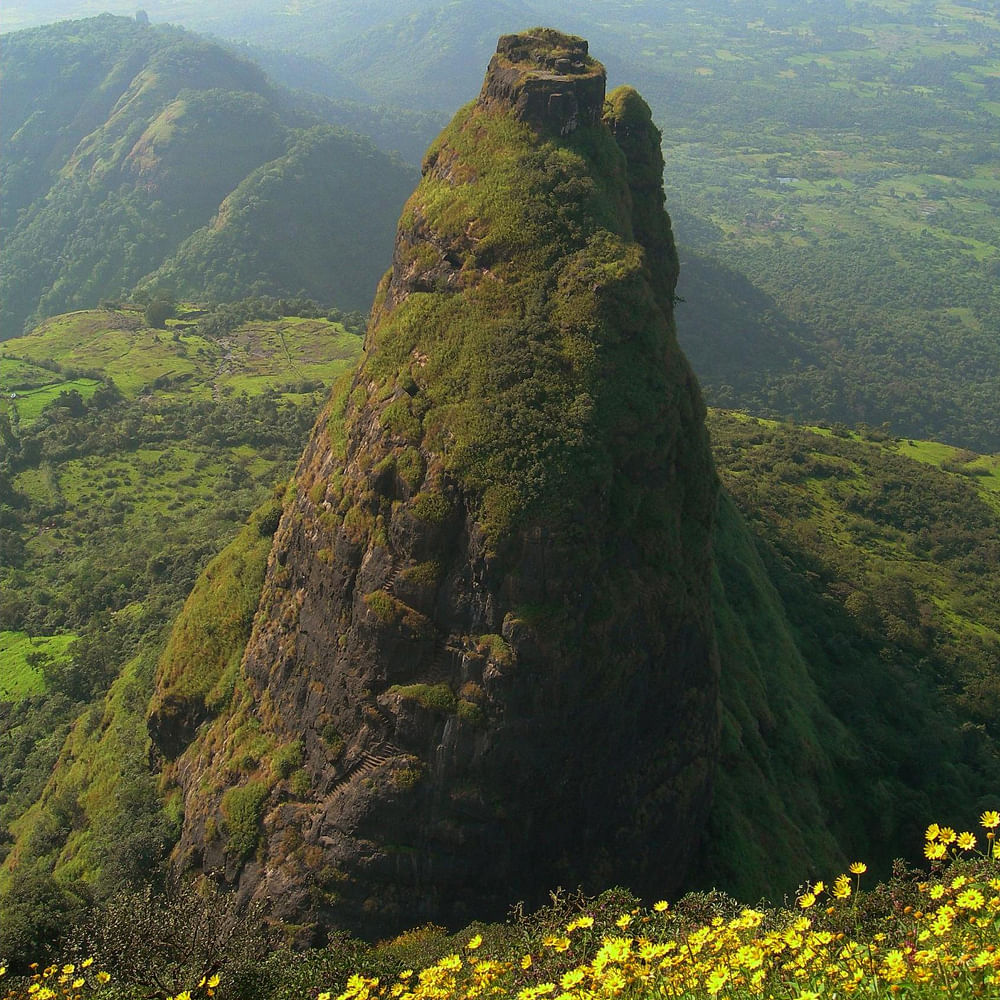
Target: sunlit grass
[(18, 676)]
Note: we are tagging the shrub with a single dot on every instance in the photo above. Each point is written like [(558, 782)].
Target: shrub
[(243, 807), (437, 697)]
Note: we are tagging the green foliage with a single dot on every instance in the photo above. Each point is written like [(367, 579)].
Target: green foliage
[(859, 640), (432, 506), (163, 942), (34, 912), (425, 574), (384, 606), (497, 648), (286, 759), (157, 312), (23, 660), (437, 697), (243, 807)]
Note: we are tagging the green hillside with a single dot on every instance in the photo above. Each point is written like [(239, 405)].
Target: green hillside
[(123, 141), (111, 502), (857, 642)]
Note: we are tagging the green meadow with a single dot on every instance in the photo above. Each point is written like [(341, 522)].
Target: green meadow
[(19, 675)]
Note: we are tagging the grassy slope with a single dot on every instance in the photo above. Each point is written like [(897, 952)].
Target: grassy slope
[(118, 824), (860, 637), (18, 676), (178, 362)]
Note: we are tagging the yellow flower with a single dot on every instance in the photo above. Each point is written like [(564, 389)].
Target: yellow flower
[(842, 887), (971, 899), (716, 980), (68, 969), (966, 841), (580, 922), (858, 868), (934, 851), (623, 921), (958, 881), (77, 983), (325, 995), (572, 978), (660, 906), (806, 900), (526, 962), (213, 981), (103, 977), (474, 942), (614, 949), (895, 966), (932, 832), (990, 819), (946, 835)]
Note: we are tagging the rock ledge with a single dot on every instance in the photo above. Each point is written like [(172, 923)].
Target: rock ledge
[(548, 79)]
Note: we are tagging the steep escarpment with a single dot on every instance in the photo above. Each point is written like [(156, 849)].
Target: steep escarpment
[(483, 661)]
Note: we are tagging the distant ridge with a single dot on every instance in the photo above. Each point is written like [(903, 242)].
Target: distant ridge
[(144, 155)]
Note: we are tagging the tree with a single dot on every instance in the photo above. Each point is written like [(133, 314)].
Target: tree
[(158, 312)]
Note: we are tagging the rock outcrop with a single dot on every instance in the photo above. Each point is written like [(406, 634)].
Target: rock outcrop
[(483, 660)]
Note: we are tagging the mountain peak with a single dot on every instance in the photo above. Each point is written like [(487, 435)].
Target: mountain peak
[(547, 79), (485, 630)]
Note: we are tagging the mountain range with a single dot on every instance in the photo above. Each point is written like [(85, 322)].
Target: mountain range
[(137, 155)]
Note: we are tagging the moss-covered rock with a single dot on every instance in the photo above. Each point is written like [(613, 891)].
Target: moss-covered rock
[(516, 602)]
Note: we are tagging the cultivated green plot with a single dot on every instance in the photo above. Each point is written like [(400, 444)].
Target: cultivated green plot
[(294, 354)]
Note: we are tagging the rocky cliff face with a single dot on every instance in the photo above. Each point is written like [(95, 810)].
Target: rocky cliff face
[(483, 662)]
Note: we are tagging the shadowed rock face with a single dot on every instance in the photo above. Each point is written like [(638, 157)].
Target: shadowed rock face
[(483, 661)]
